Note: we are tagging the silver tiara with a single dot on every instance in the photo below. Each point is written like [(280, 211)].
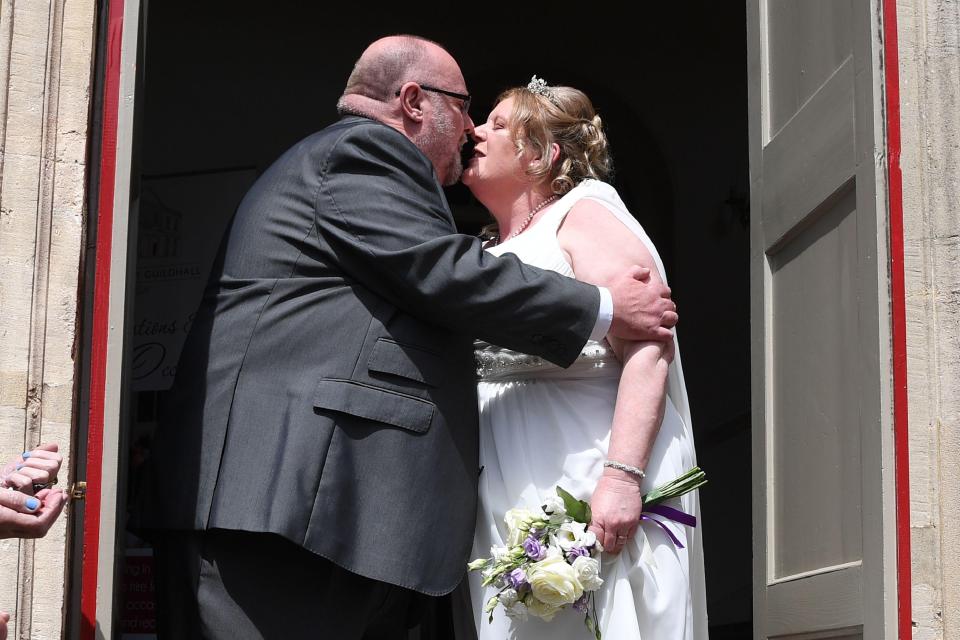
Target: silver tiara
[(538, 86)]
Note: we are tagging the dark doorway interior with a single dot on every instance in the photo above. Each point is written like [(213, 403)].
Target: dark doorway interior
[(228, 86)]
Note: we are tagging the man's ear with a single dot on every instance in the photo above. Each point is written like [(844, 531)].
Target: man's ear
[(411, 100)]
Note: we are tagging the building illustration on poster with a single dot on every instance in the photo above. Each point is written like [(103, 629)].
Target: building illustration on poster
[(181, 221)]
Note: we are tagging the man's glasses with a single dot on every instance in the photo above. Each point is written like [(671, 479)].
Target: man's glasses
[(463, 97)]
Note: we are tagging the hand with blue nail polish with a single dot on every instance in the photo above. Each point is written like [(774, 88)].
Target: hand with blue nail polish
[(32, 470), (23, 516), (28, 505)]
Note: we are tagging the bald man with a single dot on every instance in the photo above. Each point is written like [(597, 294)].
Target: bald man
[(316, 470)]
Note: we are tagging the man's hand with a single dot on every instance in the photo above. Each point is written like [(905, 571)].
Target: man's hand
[(4, 619), (23, 516), (642, 308)]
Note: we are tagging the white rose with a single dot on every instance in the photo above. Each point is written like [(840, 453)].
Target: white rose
[(571, 534), (588, 573), (554, 582), (554, 508), (541, 609)]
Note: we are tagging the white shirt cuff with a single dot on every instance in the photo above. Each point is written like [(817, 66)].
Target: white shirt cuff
[(604, 315)]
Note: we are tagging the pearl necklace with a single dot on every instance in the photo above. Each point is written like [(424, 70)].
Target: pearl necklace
[(528, 219)]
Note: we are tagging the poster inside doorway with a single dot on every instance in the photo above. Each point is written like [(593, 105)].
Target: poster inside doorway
[(181, 221)]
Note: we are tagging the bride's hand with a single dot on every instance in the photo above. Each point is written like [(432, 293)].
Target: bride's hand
[(616, 505)]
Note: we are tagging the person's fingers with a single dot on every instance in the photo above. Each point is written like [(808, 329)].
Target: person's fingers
[(41, 472), (20, 482), (37, 476), (49, 457), (25, 525), (49, 446), (639, 273), (4, 619), (610, 541), (669, 319), (19, 501), (44, 459), (53, 503), (670, 352), (662, 334), (40, 463)]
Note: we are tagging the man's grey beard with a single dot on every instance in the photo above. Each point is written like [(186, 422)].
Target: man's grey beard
[(434, 144)]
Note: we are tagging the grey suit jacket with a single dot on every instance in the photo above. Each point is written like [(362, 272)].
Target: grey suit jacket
[(326, 392)]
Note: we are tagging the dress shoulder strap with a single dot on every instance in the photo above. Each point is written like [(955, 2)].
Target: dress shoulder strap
[(552, 220)]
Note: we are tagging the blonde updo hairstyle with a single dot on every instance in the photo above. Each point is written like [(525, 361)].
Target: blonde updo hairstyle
[(564, 116)]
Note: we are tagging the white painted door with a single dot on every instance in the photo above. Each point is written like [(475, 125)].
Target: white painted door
[(824, 563)]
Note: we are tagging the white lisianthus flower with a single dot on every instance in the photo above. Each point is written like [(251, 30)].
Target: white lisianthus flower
[(554, 582), (571, 534), (518, 524), (589, 539), (498, 553), (479, 563), (508, 597), (491, 604), (554, 508), (540, 609), (552, 547), (588, 573)]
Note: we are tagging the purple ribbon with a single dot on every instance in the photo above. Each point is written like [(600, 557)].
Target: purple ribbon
[(669, 513)]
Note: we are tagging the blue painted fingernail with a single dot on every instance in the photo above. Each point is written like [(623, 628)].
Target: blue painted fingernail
[(32, 503), (25, 455)]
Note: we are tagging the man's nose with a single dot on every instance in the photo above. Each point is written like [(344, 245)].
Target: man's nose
[(468, 124)]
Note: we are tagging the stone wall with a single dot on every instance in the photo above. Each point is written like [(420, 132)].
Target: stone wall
[(929, 40), (46, 57)]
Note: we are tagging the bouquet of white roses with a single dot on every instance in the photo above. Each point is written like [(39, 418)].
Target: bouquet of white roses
[(551, 562)]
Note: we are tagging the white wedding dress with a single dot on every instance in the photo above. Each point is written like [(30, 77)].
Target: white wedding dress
[(543, 426)]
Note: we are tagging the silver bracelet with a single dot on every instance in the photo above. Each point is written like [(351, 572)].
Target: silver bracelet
[(637, 471)]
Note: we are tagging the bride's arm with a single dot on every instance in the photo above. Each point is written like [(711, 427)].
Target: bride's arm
[(598, 246)]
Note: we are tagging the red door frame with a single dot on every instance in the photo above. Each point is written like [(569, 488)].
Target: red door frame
[(891, 68), (100, 329), (101, 304)]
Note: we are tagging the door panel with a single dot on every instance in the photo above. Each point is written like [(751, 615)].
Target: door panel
[(822, 426), (791, 48), (814, 386)]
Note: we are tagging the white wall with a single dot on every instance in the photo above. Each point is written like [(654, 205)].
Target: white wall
[(929, 40), (45, 68)]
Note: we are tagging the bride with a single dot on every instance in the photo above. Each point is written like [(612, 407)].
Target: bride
[(610, 427)]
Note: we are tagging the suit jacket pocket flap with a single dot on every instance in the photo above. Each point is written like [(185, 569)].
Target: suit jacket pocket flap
[(376, 404), (406, 361)]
